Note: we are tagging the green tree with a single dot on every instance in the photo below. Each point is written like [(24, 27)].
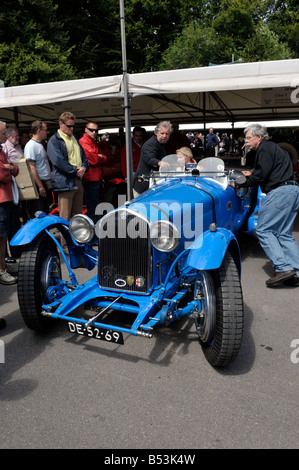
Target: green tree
[(151, 27), (94, 32), (32, 43), (235, 22), (194, 47), (283, 19), (232, 28), (93, 29), (265, 45)]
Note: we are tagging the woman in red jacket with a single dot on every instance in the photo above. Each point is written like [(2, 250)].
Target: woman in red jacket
[(7, 170)]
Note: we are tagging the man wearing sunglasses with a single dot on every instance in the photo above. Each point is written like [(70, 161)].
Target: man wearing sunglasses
[(93, 182), (69, 166)]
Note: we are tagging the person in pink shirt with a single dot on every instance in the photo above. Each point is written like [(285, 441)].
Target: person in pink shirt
[(14, 153), (7, 170), (12, 146)]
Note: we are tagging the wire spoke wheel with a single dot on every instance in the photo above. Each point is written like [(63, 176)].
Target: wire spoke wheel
[(204, 291), (39, 269)]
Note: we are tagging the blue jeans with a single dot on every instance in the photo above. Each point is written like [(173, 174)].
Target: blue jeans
[(275, 225)]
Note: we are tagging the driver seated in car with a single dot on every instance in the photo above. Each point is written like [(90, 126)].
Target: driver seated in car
[(185, 156)]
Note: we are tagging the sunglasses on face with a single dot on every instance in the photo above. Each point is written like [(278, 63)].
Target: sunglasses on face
[(91, 130), (69, 125)]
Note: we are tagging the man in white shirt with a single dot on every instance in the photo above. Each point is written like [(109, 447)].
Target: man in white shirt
[(36, 154)]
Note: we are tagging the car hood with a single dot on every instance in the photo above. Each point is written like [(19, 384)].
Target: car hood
[(167, 200)]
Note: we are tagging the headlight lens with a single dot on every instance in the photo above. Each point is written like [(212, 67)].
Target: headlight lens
[(164, 235), (81, 228)]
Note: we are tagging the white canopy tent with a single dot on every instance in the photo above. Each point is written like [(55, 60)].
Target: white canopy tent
[(251, 91), (45, 93), (224, 93), (233, 76)]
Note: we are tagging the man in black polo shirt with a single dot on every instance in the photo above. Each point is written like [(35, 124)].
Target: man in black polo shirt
[(273, 172)]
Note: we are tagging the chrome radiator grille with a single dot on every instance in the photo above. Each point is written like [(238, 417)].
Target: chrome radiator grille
[(124, 252)]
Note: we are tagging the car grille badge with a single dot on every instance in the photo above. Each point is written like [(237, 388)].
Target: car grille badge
[(130, 280), (140, 281)]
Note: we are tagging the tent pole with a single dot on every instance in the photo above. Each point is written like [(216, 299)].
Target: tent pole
[(127, 107), (204, 123)]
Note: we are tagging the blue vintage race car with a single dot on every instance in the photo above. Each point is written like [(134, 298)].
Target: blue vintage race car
[(168, 254)]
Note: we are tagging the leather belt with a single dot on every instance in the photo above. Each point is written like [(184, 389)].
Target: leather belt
[(291, 182)]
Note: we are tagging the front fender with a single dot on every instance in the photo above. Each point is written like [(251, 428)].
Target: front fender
[(208, 250), (35, 226)]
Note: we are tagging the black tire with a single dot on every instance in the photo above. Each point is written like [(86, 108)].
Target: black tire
[(39, 268), (220, 328)]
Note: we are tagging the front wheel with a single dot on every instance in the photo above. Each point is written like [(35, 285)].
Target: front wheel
[(220, 323), (39, 269)]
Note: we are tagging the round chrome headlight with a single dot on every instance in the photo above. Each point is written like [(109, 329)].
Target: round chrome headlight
[(81, 228), (164, 235)]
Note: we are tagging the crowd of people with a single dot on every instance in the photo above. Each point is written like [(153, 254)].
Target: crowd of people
[(70, 170), (213, 145)]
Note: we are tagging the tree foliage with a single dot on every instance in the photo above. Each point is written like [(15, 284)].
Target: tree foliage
[(33, 44), (151, 26), (93, 28), (283, 20), (47, 40), (236, 29)]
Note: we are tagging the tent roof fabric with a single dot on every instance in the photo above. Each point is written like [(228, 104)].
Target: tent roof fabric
[(44, 93), (231, 92), (245, 76)]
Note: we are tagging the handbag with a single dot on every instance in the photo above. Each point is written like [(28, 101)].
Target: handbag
[(15, 190)]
